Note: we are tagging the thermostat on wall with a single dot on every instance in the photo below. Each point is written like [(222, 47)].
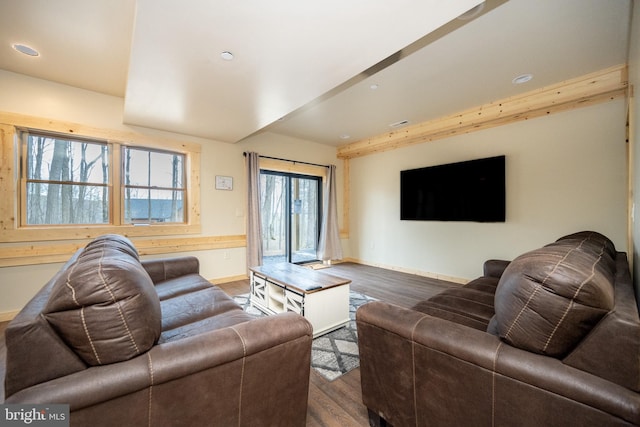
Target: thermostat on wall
[(224, 182)]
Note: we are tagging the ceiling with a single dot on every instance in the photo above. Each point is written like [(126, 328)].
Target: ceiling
[(332, 72)]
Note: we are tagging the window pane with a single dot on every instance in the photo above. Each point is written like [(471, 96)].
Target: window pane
[(153, 169), (273, 214), (166, 206), (136, 205), (143, 205), (67, 181), (166, 170), (64, 160), (67, 204), (136, 167), (304, 219)]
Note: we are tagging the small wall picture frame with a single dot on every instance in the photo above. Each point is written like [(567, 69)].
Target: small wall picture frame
[(224, 182)]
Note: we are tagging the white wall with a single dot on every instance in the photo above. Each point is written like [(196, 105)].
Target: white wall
[(222, 212), (564, 173)]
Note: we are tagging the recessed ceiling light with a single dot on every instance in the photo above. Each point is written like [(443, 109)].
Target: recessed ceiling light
[(374, 86), (523, 78), (27, 50), (226, 55), (345, 136)]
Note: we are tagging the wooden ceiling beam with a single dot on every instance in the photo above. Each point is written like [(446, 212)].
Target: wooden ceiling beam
[(586, 90)]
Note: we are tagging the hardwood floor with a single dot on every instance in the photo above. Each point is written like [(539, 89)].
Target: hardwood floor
[(387, 285), (336, 403)]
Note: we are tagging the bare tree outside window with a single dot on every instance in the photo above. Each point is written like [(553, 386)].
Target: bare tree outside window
[(63, 184)]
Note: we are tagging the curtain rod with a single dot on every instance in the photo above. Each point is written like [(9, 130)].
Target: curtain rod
[(287, 160)]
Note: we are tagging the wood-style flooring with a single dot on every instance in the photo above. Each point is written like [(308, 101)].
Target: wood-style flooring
[(336, 403)]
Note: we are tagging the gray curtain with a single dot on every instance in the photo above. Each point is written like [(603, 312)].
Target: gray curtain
[(329, 247), (254, 227)]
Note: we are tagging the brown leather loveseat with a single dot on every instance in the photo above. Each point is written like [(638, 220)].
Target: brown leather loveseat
[(549, 339), (126, 342)]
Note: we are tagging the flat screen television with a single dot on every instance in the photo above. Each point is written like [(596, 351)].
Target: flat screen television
[(473, 190)]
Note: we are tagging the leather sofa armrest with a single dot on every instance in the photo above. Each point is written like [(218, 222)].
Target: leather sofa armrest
[(252, 352), (169, 268), (407, 358), (387, 338), (381, 322), (494, 267)]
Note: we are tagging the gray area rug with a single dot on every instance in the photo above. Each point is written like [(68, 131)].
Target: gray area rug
[(335, 353)]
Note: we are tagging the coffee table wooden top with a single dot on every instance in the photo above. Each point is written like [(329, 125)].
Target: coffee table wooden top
[(294, 276)]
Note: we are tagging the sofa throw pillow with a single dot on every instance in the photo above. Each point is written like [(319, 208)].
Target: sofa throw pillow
[(549, 299), (105, 306)]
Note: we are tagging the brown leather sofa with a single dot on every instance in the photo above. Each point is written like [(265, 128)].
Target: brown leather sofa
[(131, 343), (549, 339)]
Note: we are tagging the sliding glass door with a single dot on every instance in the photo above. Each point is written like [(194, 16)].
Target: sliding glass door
[(290, 212)]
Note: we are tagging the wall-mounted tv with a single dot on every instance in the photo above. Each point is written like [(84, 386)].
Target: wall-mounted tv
[(473, 190)]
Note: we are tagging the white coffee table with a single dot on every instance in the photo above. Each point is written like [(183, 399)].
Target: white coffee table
[(320, 297)]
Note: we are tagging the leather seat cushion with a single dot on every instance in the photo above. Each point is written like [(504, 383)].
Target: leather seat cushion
[(198, 311), (105, 306), (487, 284), (181, 285), (549, 299), (445, 312), (470, 305)]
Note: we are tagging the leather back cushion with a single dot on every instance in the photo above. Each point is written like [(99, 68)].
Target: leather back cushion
[(549, 299), (590, 240), (105, 306), (114, 242)]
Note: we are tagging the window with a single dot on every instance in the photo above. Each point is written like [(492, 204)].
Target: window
[(154, 188), (67, 181), (105, 185)]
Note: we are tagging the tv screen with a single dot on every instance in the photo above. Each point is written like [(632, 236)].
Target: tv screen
[(466, 191)]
